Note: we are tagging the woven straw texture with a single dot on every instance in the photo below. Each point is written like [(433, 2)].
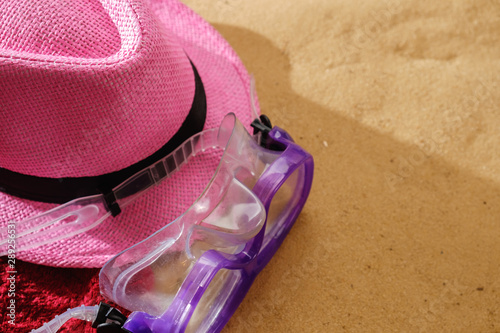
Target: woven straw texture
[(91, 87)]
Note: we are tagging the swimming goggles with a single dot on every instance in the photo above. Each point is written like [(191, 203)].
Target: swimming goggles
[(191, 275)]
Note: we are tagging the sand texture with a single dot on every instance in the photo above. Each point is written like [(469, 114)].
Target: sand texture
[(398, 101)]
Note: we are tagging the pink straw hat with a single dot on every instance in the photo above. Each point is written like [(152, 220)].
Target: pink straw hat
[(90, 89)]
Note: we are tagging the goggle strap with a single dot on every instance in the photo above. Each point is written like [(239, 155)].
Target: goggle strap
[(165, 168), (88, 208)]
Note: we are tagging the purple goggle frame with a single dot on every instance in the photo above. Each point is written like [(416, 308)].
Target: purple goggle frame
[(218, 281)]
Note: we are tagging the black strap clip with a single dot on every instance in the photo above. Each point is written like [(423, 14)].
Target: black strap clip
[(109, 320), (262, 125), (110, 200)]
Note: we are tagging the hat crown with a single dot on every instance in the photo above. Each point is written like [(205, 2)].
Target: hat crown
[(87, 87), (81, 29)]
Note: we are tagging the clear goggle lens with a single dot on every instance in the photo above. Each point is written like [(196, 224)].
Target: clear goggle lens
[(220, 293), (225, 217)]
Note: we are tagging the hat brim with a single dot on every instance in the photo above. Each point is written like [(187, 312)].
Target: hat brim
[(227, 87)]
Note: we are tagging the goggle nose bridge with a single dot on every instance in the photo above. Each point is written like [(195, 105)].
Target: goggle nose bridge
[(230, 224)]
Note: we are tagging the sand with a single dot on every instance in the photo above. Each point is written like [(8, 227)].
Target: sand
[(398, 101)]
